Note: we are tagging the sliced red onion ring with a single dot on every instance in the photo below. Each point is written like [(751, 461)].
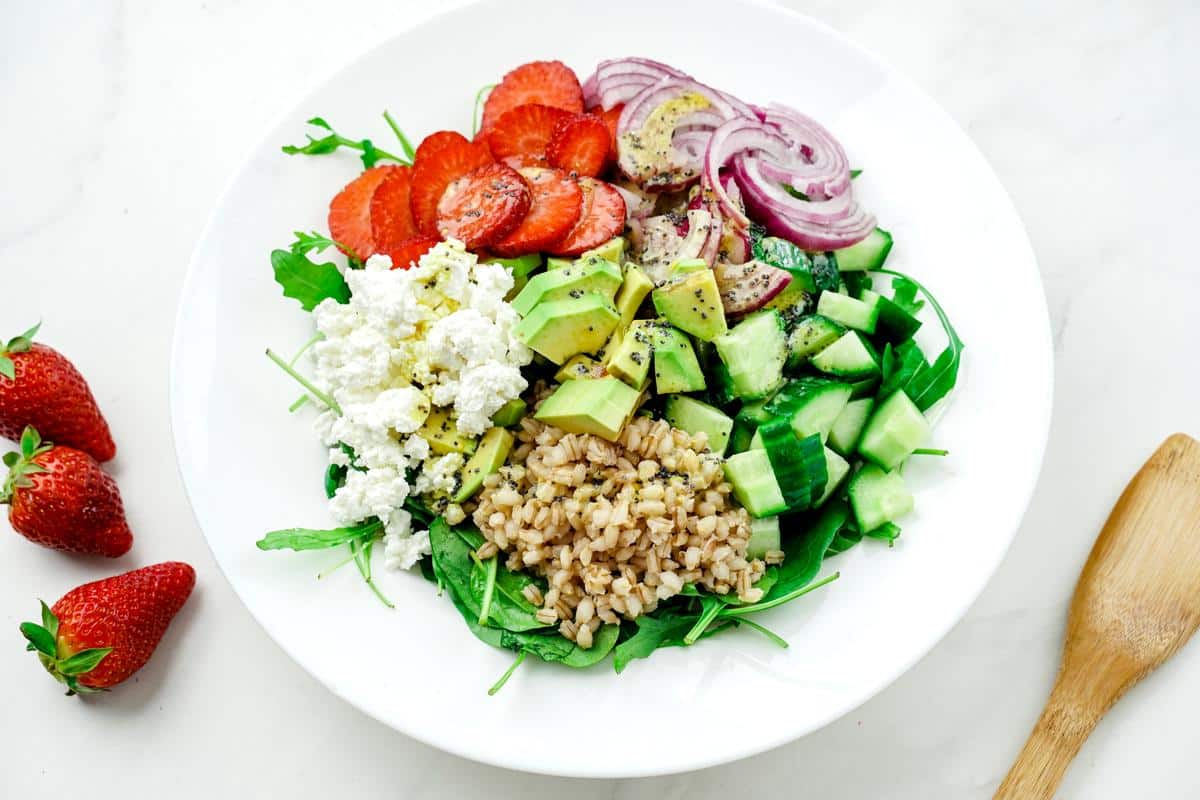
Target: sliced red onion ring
[(616, 81)]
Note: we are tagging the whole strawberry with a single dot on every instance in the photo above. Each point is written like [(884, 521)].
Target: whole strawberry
[(101, 633), (40, 387), (61, 498)]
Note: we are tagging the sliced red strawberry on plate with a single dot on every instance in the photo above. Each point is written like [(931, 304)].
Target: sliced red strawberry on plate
[(391, 213), (436, 169), (407, 253), (520, 136), (483, 206), (437, 141), (580, 144), (556, 207), (610, 117), (603, 218), (548, 83), (350, 212)]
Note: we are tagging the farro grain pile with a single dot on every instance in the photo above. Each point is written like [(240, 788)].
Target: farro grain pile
[(615, 528)]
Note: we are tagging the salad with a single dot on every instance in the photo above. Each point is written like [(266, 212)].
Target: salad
[(618, 371)]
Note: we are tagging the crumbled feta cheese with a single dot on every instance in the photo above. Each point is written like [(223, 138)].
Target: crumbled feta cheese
[(439, 334)]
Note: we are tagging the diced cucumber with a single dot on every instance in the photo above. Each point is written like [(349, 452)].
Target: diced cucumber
[(764, 537), (693, 416), (849, 357), (756, 442), (864, 388), (811, 335), (892, 323), (798, 464), (848, 427), (754, 352), (894, 430), (812, 405), (848, 311), (742, 436), (755, 412), (868, 254), (837, 468), (754, 483), (878, 497)]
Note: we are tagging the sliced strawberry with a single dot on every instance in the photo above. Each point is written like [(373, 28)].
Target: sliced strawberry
[(603, 218), (548, 83), (521, 134), (436, 169), (391, 214), (556, 208), (483, 206), (580, 144), (409, 252), (437, 141), (611, 118), (350, 212)]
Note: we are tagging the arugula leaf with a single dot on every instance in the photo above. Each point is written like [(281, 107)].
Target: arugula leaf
[(480, 96), (929, 385), (794, 192), (309, 539), (900, 364), (405, 145), (307, 282), (317, 243), (904, 294), (854, 173), (710, 607), (856, 282), (369, 153)]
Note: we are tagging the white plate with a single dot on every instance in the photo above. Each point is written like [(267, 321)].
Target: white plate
[(249, 467)]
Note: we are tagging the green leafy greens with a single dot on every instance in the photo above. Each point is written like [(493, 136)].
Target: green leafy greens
[(931, 382), (306, 281), (333, 141)]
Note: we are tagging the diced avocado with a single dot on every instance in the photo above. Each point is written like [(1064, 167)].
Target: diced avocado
[(676, 368), (685, 265), (692, 303), (442, 434), (631, 360), (521, 266), (605, 354), (510, 413), (600, 406), (596, 275), (561, 328), (558, 263), (631, 294), (693, 416), (579, 366), (489, 456), (612, 250)]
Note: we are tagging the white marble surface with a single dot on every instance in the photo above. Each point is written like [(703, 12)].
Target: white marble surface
[(122, 122)]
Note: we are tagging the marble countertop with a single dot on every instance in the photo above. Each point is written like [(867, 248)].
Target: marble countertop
[(123, 121)]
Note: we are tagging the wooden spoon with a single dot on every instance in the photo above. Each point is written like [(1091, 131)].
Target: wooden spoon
[(1136, 603)]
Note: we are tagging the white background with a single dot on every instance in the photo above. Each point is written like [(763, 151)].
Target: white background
[(120, 125)]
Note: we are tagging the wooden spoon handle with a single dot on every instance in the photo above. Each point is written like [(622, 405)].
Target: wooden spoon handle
[(1064, 726)]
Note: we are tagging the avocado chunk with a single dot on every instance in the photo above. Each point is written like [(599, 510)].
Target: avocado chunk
[(561, 328), (631, 294), (558, 263), (676, 368), (510, 413), (631, 360), (596, 275), (685, 265), (442, 434), (693, 416), (489, 457), (579, 366), (599, 406), (612, 250), (692, 303)]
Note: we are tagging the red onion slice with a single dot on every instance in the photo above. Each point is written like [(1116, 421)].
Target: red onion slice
[(618, 80)]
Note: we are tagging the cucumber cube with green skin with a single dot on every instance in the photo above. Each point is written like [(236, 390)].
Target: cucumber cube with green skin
[(694, 416), (893, 324), (848, 311), (837, 468), (676, 368), (491, 454), (848, 427), (878, 497), (754, 352), (596, 275), (869, 254), (895, 429), (559, 329), (810, 335), (765, 537), (510, 413), (849, 357), (613, 250), (693, 304), (753, 483), (599, 406), (812, 404), (631, 360)]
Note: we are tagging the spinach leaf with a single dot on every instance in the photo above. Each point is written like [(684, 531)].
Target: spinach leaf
[(453, 549), (929, 385), (306, 281), (805, 550), (856, 282), (508, 607), (603, 642), (887, 532), (369, 153), (308, 539), (665, 629)]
